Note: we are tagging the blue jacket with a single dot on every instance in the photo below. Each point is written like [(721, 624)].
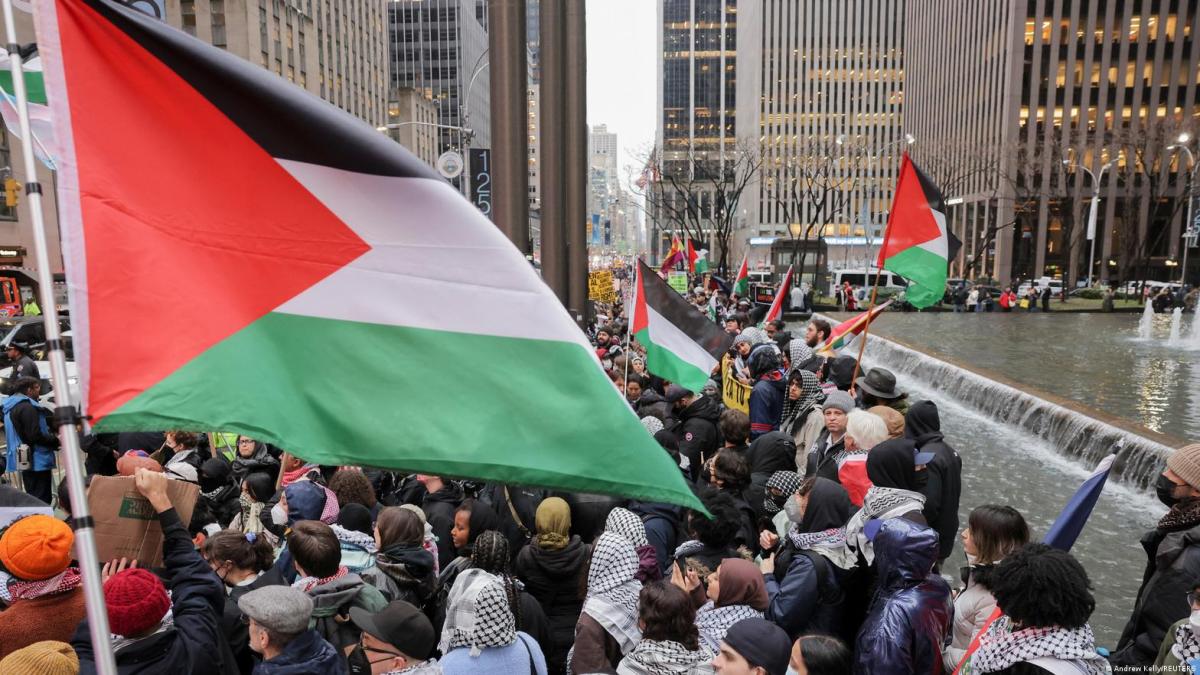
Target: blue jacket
[(662, 530), (910, 614), (37, 436), (307, 653), (796, 600), (514, 659), (766, 403)]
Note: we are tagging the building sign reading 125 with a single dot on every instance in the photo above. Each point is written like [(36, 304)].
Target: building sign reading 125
[(480, 163)]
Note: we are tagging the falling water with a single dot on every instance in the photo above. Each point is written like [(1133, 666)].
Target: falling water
[(1176, 326), (1146, 324), (1193, 341)]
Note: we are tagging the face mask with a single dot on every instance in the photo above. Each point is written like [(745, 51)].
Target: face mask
[(779, 500), (279, 514), (792, 671), (792, 508), (245, 500), (1165, 489), (1194, 621)]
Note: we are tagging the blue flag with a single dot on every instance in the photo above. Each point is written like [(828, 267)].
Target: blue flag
[(1070, 522)]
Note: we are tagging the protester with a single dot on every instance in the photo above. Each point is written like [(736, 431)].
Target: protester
[(628, 525), (753, 647), (25, 427), (480, 633), (218, 492), (1046, 598), (780, 486), (397, 639), (403, 567), (252, 457), (183, 455), (878, 387), (734, 426), (863, 432), (257, 490), (492, 555), (710, 540), (820, 655), (440, 502), (44, 593), (351, 486), (1182, 644), (608, 626), (993, 533), (696, 429), (1173, 561), (895, 491), (839, 373), (278, 628), (769, 392), (48, 657), (823, 457), (943, 485), (892, 418), (244, 563), (670, 641), (470, 520), (801, 416), (735, 591), (910, 614)]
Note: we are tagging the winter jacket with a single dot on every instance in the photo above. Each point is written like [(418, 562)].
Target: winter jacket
[(403, 573), (236, 631), (972, 609), (802, 598), (652, 404), (307, 653), (663, 531), (195, 643), (331, 606), (50, 617), (766, 403), (439, 508), (259, 462), (525, 500), (223, 504), (596, 651), (25, 423), (1165, 658), (556, 580), (99, 449), (822, 459), (696, 431), (523, 657), (1171, 571), (944, 486), (910, 613)]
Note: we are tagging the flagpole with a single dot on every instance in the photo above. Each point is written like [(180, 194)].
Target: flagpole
[(65, 415), (862, 346)]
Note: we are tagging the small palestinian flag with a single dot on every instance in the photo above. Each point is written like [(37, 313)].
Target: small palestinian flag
[(701, 266), (846, 331), (917, 245), (776, 310), (682, 345), (243, 256), (741, 283)]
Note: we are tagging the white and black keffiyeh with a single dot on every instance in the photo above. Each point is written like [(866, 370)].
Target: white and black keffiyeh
[(612, 590), (653, 424), (1187, 645), (787, 482), (811, 395), (880, 503), (626, 523), (831, 544), (713, 622), (477, 614), (798, 353), (1002, 648), (666, 657)]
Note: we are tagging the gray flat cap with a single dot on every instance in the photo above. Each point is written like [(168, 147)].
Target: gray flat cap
[(282, 609)]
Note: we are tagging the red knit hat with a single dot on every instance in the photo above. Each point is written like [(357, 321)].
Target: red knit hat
[(36, 547), (136, 601)]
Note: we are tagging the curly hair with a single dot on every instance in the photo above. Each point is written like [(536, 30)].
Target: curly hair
[(726, 522), (668, 614), (1039, 586), (492, 554), (731, 469), (352, 487)]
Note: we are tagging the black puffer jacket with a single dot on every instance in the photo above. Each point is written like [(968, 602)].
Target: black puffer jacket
[(1171, 572), (653, 404), (439, 508), (696, 431), (556, 580), (944, 486)]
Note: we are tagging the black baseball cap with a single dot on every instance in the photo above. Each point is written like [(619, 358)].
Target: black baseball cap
[(676, 392), (401, 625)]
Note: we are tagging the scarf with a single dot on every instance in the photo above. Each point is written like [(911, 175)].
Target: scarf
[(477, 614), (787, 482), (665, 657), (713, 622), (612, 590), (880, 503), (66, 581), (794, 412), (251, 514), (354, 538), (168, 623), (1183, 516), (1187, 645), (553, 524), (306, 584), (625, 523), (1002, 648), (831, 544), (430, 666), (294, 475), (798, 353)]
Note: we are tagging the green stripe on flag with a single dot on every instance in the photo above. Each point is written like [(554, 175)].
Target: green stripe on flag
[(35, 86), (666, 364), (519, 411), (925, 271)]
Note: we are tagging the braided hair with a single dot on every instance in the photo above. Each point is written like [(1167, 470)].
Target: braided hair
[(491, 554)]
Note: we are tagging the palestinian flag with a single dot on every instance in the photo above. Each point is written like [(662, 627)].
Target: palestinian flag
[(701, 266), (674, 254), (917, 245), (691, 257), (682, 345), (780, 297), (741, 283), (846, 331), (245, 257), (41, 126)]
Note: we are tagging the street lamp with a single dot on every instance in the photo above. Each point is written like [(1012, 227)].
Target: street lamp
[(1189, 230), (1091, 231)]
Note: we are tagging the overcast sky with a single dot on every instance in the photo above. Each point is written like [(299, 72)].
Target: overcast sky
[(621, 82)]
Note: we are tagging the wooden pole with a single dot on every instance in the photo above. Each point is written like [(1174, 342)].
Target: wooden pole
[(862, 346)]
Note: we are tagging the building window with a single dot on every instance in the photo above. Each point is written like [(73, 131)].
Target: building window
[(187, 9), (218, 23)]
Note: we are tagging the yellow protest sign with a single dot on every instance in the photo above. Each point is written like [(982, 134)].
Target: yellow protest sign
[(735, 394), (600, 287)]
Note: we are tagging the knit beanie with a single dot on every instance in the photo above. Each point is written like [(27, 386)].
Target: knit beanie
[(1185, 463), (137, 601), (42, 658), (36, 547)]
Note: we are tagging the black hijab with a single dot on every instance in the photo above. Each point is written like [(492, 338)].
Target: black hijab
[(771, 452), (890, 464), (828, 507), (922, 423)]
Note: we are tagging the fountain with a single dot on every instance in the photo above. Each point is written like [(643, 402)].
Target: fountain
[(1176, 326), (1194, 336), (1146, 324)]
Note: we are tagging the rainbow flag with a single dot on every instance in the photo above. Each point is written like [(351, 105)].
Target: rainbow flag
[(847, 330)]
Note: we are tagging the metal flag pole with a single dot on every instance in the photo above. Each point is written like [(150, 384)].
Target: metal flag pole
[(65, 415)]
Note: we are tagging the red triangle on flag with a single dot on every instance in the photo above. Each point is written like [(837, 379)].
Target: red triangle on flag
[(911, 221), (192, 231)]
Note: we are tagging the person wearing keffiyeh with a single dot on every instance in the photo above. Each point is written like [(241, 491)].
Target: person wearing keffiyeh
[(608, 627), (671, 643), (44, 591), (894, 493), (627, 524), (735, 591), (480, 633)]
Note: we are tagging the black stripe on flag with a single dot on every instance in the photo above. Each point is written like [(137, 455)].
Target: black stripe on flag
[(285, 120), (671, 306), (938, 204)]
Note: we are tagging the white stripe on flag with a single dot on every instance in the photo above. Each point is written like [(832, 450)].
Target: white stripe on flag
[(668, 336)]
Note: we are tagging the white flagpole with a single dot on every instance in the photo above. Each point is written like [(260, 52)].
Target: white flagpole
[(65, 415)]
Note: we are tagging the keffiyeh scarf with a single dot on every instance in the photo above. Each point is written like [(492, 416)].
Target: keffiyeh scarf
[(251, 514), (68, 580), (477, 614), (665, 657), (880, 503), (1187, 645), (626, 524), (798, 353), (308, 583), (810, 395), (612, 590), (713, 622), (653, 424), (787, 482), (831, 544), (1002, 648)]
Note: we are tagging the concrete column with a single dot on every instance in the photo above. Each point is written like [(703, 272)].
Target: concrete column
[(575, 148), (510, 137), (552, 110)]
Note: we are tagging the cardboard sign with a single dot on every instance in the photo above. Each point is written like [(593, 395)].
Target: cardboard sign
[(126, 524), (600, 287), (735, 394)]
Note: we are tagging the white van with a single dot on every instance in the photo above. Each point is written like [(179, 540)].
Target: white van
[(858, 278)]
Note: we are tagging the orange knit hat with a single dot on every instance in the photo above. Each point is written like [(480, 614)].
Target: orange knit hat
[(36, 547)]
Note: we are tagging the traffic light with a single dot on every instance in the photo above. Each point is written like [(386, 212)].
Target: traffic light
[(11, 189)]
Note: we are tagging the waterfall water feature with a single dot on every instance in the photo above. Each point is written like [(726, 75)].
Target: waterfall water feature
[(1146, 324), (1193, 341), (1176, 327), (1074, 435)]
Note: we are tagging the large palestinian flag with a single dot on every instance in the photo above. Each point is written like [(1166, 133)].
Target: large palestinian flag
[(917, 245), (243, 256), (682, 345)]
